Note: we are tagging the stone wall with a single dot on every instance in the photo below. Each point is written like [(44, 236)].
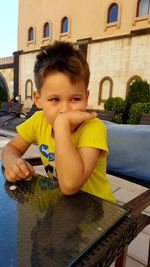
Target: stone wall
[(119, 59), (26, 73)]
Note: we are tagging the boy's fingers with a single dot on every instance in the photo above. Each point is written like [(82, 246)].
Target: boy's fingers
[(22, 167), (9, 177), (30, 167), (25, 169), (21, 170), (18, 172), (92, 114), (12, 177), (87, 115)]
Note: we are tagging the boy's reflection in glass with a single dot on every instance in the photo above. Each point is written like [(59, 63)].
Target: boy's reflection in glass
[(63, 225)]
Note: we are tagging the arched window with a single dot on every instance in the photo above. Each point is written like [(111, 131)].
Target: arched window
[(28, 89), (46, 30), (30, 34), (112, 13), (4, 93), (105, 89), (130, 81), (142, 8), (64, 25)]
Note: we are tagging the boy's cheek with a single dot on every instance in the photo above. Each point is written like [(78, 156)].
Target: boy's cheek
[(50, 119), (83, 106), (80, 108)]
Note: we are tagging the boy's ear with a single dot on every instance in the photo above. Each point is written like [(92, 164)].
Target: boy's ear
[(36, 97)]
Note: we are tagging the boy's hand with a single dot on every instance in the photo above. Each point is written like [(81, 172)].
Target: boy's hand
[(73, 118), (18, 169)]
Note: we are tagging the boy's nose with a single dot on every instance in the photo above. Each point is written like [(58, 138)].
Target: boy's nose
[(64, 107)]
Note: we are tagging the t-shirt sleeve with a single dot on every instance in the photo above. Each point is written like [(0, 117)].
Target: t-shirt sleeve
[(93, 134), (28, 128)]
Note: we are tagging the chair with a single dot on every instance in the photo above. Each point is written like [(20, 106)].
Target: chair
[(5, 108), (145, 119), (128, 159), (13, 112), (129, 147), (13, 123), (103, 114)]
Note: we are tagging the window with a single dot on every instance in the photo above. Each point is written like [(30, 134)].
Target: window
[(112, 13), (83, 48), (46, 30), (65, 28), (4, 91), (64, 25), (83, 45), (30, 34), (105, 89), (130, 81), (28, 89), (142, 8)]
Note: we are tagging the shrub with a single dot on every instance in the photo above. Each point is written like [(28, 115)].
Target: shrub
[(136, 110), (139, 92), (117, 118), (116, 104)]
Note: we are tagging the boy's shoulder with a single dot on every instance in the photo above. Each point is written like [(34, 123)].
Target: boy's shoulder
[(92, 126), (37, 116), (35, 120), (96, 122), (91, 133), (38, 113)]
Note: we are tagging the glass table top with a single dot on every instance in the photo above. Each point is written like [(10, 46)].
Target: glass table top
[(39, 226)]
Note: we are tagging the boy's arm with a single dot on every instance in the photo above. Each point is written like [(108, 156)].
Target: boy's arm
[(73, 166), (16, 168)]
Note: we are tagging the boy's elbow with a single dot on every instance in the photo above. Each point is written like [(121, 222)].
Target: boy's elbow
[(70, 186), (68, 190)]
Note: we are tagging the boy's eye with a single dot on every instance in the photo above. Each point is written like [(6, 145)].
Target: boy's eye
[(54, 99), (76, 99)]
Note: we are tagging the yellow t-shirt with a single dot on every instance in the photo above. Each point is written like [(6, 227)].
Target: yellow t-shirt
[(91, 133)]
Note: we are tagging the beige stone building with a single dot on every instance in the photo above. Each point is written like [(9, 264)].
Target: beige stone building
[(113, 35)]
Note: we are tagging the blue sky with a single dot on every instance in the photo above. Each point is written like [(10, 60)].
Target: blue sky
[(8, 27)]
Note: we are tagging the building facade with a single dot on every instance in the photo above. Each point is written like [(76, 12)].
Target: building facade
[(113, 35)]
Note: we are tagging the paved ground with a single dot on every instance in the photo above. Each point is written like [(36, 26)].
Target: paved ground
[(124, 191)]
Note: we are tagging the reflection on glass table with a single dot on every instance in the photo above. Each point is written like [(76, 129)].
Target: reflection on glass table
[(39, 226)]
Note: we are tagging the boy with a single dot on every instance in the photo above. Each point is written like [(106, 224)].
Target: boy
[(71, 141)]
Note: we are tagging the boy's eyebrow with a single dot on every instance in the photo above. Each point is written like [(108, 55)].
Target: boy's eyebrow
[(77, 94), (72, 95), (53, 95)]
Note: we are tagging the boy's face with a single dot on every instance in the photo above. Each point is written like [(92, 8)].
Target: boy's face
[(59, 95)]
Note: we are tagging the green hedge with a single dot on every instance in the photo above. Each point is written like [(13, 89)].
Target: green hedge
[(139, 92), (136, 110), (116, 104)]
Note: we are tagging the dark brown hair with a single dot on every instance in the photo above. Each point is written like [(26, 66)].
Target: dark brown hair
[(61, 57)]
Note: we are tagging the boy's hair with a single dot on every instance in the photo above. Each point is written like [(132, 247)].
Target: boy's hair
[(61, 57)]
